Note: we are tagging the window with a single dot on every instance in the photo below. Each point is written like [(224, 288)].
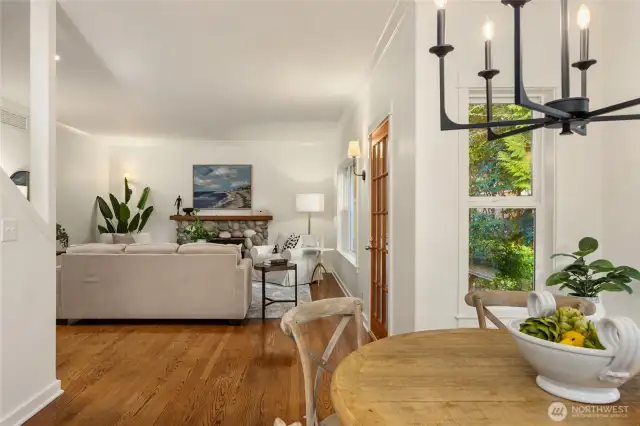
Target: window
[(348, 212), (504, 208)]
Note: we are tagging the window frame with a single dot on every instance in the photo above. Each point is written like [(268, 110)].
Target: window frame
[(348, 211), (542, 199)]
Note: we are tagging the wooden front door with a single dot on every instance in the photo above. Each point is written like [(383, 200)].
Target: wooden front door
[(379, 229)]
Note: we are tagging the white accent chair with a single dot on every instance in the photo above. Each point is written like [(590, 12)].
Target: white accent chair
[(305, 259)]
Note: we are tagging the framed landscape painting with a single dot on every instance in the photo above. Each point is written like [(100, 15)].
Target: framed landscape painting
[(222, 186)]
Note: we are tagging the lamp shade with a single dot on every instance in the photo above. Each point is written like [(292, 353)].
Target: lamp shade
[(354, 149), (310, 202)]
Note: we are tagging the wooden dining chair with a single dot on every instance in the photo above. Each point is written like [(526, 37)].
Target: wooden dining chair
[(345, 307), (481, 299)]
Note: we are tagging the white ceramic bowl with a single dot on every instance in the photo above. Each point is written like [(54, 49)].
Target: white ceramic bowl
[(568, 372)]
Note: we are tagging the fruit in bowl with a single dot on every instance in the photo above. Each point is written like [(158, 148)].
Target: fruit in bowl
[(567, 326), (566, 351)]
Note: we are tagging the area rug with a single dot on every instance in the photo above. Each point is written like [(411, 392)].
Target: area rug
[(274, 291)]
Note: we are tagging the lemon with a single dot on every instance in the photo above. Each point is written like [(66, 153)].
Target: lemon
[(572, 338)]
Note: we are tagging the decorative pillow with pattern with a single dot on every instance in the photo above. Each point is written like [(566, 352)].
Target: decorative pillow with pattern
[(292, 241)]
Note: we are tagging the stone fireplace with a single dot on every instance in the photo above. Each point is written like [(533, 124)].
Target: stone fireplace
[(253, 230)]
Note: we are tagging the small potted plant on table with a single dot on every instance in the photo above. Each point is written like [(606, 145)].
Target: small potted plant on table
[(588, 280)]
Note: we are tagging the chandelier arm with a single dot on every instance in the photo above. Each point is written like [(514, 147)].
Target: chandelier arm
[(521, 97), (580, 130), (616, 117), (613, 108), (447, 124), (495, 136)]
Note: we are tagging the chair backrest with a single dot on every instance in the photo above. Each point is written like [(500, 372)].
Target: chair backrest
[(481, 299), (345, 307)]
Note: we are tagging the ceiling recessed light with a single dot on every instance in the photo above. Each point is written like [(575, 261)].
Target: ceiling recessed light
[(57, 57)]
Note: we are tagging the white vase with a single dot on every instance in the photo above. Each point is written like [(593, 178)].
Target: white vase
[(600, 311)]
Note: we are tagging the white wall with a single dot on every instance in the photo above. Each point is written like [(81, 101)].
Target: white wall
[(27, 308), (14, 149), (438, 198), (285, 163), (82, 173), (621, 149), (389, 92)]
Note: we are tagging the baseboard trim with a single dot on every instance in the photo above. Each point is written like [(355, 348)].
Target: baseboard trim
[(347, 293), (27, 410)]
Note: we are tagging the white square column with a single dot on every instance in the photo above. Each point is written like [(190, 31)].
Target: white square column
[(43, 109)]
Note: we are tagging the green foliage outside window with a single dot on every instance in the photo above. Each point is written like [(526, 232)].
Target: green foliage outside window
[(502, 167), (500, 239)]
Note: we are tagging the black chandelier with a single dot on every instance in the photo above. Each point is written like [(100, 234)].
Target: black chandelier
[(571, 114)]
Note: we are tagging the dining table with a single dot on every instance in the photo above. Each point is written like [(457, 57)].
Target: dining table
[(461, 377)]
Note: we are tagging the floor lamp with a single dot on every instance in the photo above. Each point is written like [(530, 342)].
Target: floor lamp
[(311, 203)]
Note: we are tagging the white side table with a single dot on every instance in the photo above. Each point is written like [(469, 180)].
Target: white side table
[(320, 268)]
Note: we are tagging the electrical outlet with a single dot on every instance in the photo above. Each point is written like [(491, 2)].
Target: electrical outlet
[(9, 230)]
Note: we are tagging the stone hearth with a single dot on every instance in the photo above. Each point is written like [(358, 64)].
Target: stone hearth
[(237, 229)]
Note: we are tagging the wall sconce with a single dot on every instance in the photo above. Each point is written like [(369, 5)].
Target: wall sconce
[(354, 153)]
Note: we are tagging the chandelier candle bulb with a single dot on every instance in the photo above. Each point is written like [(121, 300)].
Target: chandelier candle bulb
[(584, 18), (564, 43), (441, 20), (488, 31)]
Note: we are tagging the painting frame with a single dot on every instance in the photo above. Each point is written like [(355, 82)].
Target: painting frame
[(211, 200)]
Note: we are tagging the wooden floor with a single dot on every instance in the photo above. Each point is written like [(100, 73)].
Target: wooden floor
[(185, 374)]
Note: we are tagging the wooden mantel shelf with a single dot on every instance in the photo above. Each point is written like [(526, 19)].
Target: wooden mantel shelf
[(192, 218)]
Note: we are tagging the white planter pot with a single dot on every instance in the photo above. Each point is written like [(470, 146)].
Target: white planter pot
[(105, 238), (600, 312)]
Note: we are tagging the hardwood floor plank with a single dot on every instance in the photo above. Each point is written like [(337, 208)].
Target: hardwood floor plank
[(191, 373)]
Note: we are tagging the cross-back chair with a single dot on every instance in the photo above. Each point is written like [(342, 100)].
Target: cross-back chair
[(346, 307), (481, 299)]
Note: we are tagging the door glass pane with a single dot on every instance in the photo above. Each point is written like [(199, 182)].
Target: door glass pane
[(502, 167), (501, 249)]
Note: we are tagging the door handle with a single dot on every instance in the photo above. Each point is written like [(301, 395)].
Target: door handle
[(368, 248)]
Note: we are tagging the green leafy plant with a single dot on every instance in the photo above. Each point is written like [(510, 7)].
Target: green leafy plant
[(62, 236), (590, 279), (121, 212), (197, 231), (542, 328)]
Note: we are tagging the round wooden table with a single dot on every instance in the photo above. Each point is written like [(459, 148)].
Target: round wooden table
[(466, 377)]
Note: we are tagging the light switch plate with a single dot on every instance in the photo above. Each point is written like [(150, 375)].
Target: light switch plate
[(9, 230)]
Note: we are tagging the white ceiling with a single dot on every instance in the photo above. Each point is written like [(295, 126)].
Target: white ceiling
[(195, 68)]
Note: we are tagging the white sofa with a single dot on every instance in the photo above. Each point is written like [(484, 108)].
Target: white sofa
[(305, 259), (104, 281)]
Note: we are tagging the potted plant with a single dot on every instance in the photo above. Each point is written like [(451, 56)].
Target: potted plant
[(197, 232), (588, 280), (121, 213), (62, 238)]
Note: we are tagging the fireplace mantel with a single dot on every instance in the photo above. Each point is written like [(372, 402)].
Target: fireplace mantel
[(184, 218)]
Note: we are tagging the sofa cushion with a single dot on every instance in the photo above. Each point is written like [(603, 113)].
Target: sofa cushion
[(123, 239), (153, 248), (96, 248), (208, 248)]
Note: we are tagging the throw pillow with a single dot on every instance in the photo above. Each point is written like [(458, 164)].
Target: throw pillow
[(292, 242)]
